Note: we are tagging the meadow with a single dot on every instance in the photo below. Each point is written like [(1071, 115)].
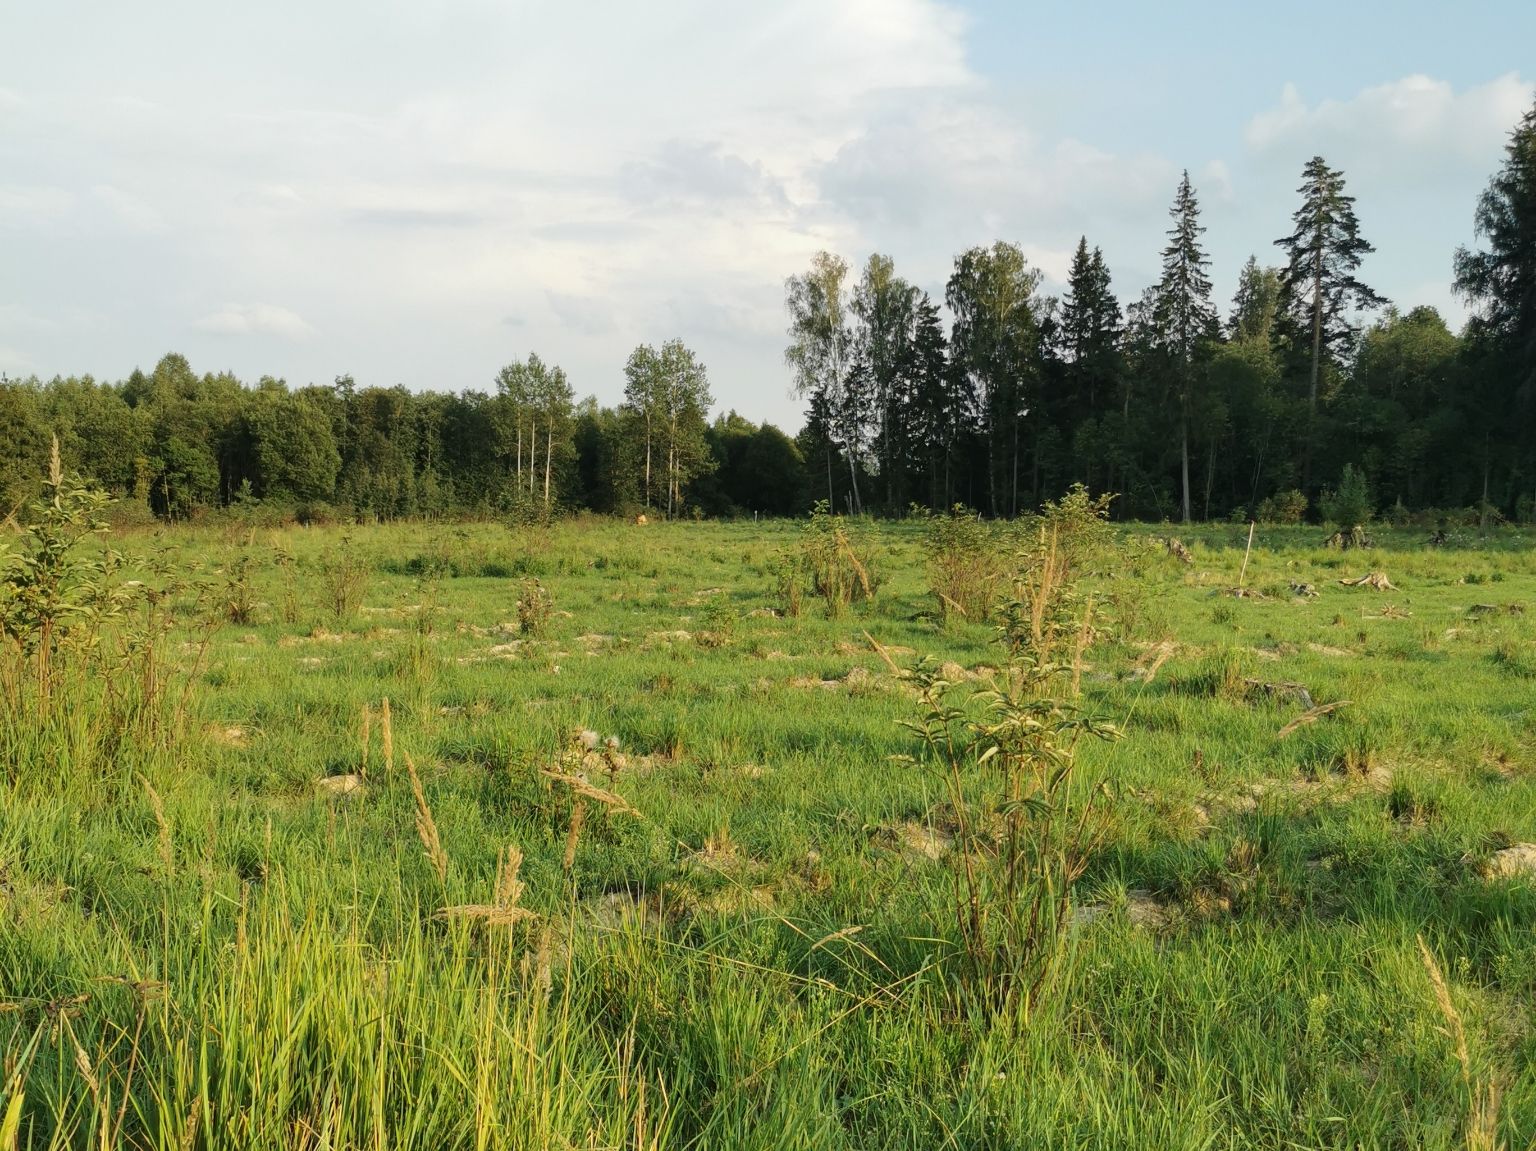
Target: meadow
[(606, 835)]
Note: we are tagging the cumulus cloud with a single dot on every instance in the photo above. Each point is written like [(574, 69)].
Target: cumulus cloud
[(698, 173), (595, 175), (1416, 121), (255, 320)]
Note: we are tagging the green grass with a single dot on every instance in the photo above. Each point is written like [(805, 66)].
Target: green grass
[(759, 954)]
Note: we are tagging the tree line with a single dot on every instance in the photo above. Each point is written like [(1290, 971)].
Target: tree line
[(1310, 379), (1311, 376), (176, 443)]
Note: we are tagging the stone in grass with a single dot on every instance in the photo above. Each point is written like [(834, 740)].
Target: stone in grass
[(1516, 862), (340, 785), (1142, 909)]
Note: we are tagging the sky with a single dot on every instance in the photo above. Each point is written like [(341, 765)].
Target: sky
[(420, 191)]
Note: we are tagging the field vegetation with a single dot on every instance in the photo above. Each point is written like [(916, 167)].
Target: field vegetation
[(798, 834)]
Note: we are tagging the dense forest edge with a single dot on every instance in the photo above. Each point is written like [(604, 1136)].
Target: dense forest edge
[(1313, 398)]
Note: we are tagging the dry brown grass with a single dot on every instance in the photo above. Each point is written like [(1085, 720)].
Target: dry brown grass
[(504, 910), (1482, 1121), (426, 826)]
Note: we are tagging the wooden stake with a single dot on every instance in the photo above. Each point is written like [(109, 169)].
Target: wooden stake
[(1240, 575)]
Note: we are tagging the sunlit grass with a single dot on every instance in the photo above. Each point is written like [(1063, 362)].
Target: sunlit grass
[(754, 955)]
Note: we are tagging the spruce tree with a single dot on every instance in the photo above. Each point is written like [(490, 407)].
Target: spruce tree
[(1090, 331), (1500, 283), (1319, 290), (1183, 316), (1255, 303), (938, 408)]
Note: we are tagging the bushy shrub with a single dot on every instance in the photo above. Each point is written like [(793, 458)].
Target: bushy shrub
[(825, 564), (1283, 508), (966, 567), (534, 607), (1349, 504)]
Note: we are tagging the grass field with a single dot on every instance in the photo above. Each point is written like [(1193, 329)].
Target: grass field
[(246, 903)]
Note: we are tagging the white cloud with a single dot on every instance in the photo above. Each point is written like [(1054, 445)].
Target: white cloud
[(255, 320), (26, 205), (1415, 122), (944, 172), (135, 212), (603, 173)]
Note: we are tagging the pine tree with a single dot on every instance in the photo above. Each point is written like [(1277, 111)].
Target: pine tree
[(1318, 286), (1183, 315)]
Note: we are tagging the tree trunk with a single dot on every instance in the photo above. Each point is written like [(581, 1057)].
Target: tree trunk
[(853, 479), (533, 452), (1013, 509), (1184, 453), (549, 443), (1317, 357), (1210, 480), (992, 461), (1483, 511)]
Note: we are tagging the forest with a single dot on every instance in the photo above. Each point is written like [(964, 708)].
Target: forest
[(1311, 384)]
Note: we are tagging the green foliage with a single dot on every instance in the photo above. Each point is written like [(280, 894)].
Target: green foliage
[(828, 564), (534, 607), (967, 565), (83, 672), (1350, 504), (1287, 508), (53, 591), (344, 579), (1079, 524), (1009, 774), (995, 340)]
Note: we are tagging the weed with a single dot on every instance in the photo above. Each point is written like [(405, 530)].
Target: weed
[(534, 607), (344, 577), (239, 591), (967, 568), (1024, 832)]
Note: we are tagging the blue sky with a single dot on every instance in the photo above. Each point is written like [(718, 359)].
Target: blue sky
[(418, 192)]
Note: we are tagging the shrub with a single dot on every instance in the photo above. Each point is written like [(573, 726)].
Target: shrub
[(534, 607), (966, 568), (1288, 507), (1349, 504), (344, 577), (1025, 825), (1079, 524), (825, 564)]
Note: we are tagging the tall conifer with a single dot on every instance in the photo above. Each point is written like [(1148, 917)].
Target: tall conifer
[(1183, 315)]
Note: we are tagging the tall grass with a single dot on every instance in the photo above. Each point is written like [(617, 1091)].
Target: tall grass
[(748, 938)]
